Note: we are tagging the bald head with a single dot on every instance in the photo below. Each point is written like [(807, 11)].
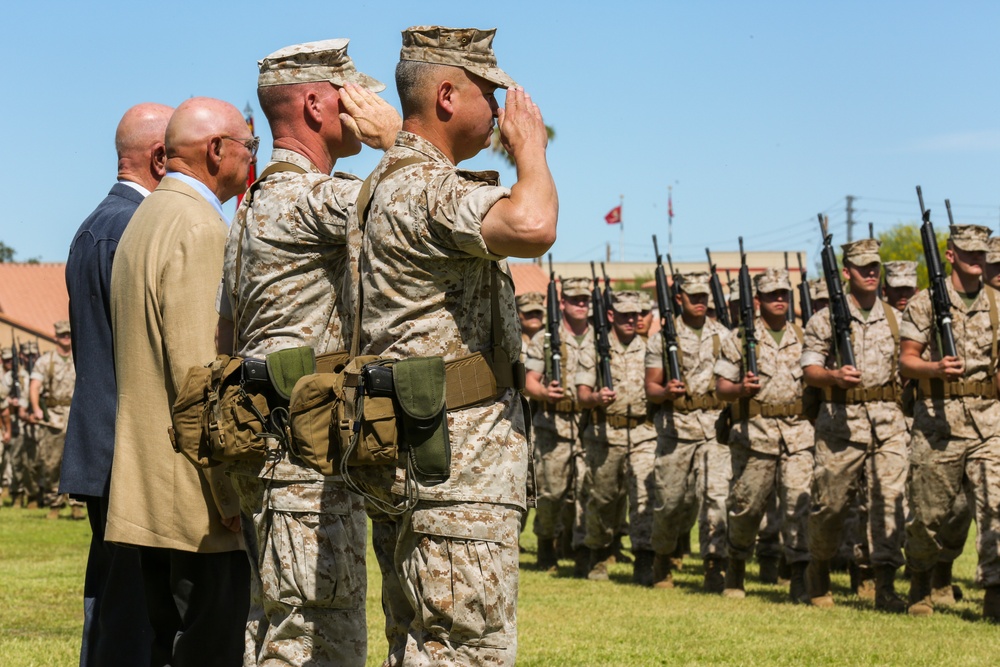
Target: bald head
[(205, 140), (139, 142)]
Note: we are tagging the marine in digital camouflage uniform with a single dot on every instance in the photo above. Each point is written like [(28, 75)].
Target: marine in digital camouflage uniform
[(435, 283), (771, 443), (531, 314), (619, 442), (556, 427), (23, 448), (692, 469), (286, 284), (861, 436), (52, 381), (956, 424)]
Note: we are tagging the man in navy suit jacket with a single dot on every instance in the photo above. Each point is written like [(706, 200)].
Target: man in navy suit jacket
[(116, 629)]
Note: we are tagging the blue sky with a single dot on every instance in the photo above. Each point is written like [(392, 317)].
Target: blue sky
[(759, 115)]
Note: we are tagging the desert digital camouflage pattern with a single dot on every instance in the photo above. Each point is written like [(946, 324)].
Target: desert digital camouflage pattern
[(58, 377)]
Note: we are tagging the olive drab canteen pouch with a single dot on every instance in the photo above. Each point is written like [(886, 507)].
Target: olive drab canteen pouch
[(419, 384), (286, 367), (215, 418)]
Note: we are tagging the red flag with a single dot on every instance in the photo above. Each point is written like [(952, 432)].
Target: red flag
[(252, 174), (614, 216)]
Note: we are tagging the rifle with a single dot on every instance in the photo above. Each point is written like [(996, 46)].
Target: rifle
[(805, 298), (747, 314), (607, 287), (15, 386), (553, 343), (790, 313), (840, 313), (668, 329), (601, 327), (721, 305), (940, 301)]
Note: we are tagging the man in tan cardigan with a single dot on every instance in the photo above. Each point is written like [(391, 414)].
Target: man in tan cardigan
[(185, 521)]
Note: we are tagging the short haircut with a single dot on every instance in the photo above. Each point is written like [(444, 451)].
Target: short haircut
[(412, 81)]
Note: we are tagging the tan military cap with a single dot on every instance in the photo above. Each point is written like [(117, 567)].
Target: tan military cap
[(326, 60), (818, 290), (62, 327), (646, 301), (993, 250), (902, 273), (971, 238), (862, 253), (575, 287), (468, 48), (530, 301), (6, 354), (734, 290), (772, 280), (694, 282), (626, 301), (30, 347)]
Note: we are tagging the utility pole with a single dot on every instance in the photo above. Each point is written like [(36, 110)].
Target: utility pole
[(850, 218)]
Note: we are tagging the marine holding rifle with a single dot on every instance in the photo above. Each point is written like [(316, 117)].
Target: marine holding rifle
[(692, 470), (770, 442), (861, 437), (956, 421), (560, 468)]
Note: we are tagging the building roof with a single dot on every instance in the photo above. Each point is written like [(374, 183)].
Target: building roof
[(33, 296), (528, 277)]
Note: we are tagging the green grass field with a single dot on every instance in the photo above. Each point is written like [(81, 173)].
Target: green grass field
[(563, 621)]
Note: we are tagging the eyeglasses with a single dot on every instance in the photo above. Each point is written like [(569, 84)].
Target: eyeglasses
[(251, 144)]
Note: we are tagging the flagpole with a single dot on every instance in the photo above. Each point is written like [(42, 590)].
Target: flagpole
[(621, 231)]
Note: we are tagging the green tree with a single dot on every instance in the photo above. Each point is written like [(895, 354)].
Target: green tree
[(902, 242), (498, 148), (6, 252)]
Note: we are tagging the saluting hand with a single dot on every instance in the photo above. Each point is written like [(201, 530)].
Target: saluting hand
[(521, 126), (370, 118)]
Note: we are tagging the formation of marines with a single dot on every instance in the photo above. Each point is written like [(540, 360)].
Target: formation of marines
[(773, 441)]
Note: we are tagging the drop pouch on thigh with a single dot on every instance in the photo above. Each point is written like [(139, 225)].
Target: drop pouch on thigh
[(420, 394)]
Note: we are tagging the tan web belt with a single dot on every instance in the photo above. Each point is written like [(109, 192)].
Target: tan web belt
[(565, 406), (697, 402), (619, 421), (957, 389), (885, 392), (747, 408), (58, 403)]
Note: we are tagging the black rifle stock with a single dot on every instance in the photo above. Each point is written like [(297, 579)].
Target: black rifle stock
[(553, 341), (668, 329), (840, 313), (601, 327), (940, 301), (747, 314), (718, 298), (805, 298), (790, 314), (607, 286)]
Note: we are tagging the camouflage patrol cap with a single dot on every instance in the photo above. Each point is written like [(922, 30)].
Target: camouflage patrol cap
[(993, 250), (862, 253), (530, 301), (575, 287), (62, 327), (646, 301), (734, 290), (326, 60), (902, 273), (468, 48), (694, 282), (6, 354), (971, 238), (626, 301), (818, 290), (772, 280), (31, 347)]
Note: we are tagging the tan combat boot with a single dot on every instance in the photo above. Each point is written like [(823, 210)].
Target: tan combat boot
[(663, 575), (862, 581), (735, 575), (921, 603), (991, 604), (942, 590), (598, 566), (818, 584), (715, 579), (78, 513), (642, 570), (885, 591), (53, 513)]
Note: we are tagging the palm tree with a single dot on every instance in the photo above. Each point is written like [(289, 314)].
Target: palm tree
[(498, 148)]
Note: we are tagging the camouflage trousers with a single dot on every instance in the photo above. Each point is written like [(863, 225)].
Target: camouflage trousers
[(308, 605), (449, 583), (24, 463), (942, 469), (755, 477), (692, 482), (843, 466), (51, 443), (554, 473), (769, 534), (618, 473)]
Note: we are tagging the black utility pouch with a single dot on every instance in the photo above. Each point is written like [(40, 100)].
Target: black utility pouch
[(420, 394)]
